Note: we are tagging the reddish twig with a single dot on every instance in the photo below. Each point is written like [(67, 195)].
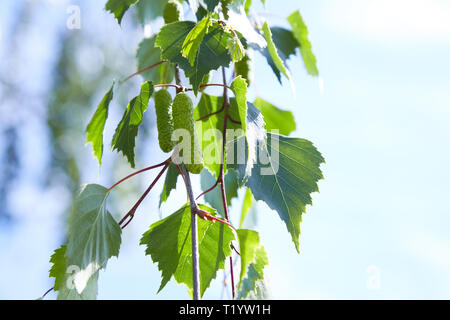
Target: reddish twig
[(210, 114), (234, 121), (140, 171), (143, 70), (221, 174), (133, 209), (234, 248), (210, 189)]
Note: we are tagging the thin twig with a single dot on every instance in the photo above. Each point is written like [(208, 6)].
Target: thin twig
[(140, 171), (143, 70), (234, 121), (210, 189), (221, 174), (47, 292), (210, 114), (133, 209)]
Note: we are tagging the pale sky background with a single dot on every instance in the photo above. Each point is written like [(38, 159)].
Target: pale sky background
[(378, 229)]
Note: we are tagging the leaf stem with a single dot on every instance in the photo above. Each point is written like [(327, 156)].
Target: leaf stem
[(133, 209), (221, 174), (47, 292), (143, 70)]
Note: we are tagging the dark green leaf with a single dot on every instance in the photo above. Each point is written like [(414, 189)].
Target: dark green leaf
[(300, 32), (94, 235), (211, 4), (95, 127), (170, 183), (169, 243), (147, 55), (276, 119), (244, 68), (119, 7), (214, 197), (173, 11), (127, 130), (148, 10), (212, 54)]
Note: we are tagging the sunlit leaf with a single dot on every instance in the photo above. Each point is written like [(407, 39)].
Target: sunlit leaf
[(170, 182), (284, 172), (169, 243), (191, 44), (64, 284), (95, 127), (253, 260), (275, 118), (273, 51), (124, 138), (246, 206), (300, 32)]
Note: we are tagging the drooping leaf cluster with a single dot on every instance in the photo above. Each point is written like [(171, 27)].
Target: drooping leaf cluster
[(274, 168)]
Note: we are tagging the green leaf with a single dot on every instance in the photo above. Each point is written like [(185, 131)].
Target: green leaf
[(64, 279), (286, 45), (211, 4), (253, 260), (214, 197), (244, 68), (253, 283), (246, 206), (94, 235), (300, 32), (283, 175), (119, 7), (169, 243), (147, 55), (173, 11), (225, 7), (148, 10), (239, 87), (127, 129), (170, 183), (212, 54), (235, 47), (276, 119), (212, 128), (191, 44), (95, 127), (273, 51)]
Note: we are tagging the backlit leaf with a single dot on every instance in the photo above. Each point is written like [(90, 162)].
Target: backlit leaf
[(124, 138), (95, 127), (169, 243)]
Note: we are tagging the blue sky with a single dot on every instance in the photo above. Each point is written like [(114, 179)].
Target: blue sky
[(378, 229)]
